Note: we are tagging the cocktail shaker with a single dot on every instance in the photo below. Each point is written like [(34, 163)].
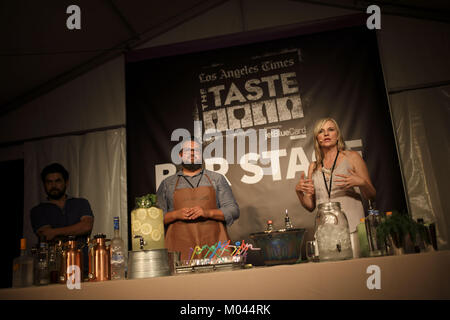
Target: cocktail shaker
[(99, 259), (71, 262)]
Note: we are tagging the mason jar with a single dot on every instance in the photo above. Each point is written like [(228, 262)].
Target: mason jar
[(332, 233)]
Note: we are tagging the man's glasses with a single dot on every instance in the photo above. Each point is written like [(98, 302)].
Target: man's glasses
[(192, 150)]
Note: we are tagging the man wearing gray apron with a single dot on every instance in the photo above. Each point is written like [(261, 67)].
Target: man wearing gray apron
[(198, 204)]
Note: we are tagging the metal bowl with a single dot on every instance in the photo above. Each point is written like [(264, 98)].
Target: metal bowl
[(280, 247), (148, 264)]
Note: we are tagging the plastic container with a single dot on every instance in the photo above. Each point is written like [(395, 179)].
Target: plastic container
[(362, 237)]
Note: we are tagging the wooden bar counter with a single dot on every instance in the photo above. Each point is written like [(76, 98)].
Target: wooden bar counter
[(409, 276)]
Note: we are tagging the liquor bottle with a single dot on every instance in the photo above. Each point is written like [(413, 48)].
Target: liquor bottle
[(287, 222), (269, 226), (421, 237), (431, 235), (118, 254), (373, 219), (53, 266), (22, 267), (388, 241), (43, 275), (34, 254)]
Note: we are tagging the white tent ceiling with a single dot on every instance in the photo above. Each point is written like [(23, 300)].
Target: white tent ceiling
[(38, 52)]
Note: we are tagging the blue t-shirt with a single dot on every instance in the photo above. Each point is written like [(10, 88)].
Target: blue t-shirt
[(47, 213)]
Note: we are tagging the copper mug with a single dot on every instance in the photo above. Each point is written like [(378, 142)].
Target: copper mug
[(71, 257), (99, 259)]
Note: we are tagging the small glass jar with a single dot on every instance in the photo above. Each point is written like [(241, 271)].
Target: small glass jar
[(332, 233)]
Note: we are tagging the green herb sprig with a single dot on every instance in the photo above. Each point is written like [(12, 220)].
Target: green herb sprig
[(146, 201), (399, 225)]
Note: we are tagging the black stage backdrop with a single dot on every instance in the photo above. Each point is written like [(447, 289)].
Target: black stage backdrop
[(285, 84)]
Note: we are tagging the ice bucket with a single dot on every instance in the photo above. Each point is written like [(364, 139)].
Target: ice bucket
[(280, 247)]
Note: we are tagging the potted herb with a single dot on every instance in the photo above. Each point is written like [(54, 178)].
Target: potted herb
[(395, 228)]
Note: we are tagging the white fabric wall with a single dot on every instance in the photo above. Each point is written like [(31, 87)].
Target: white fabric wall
[(413, 53), (421, 121), (97, 171)]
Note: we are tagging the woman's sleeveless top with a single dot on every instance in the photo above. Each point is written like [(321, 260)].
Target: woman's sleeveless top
[(350, 199)]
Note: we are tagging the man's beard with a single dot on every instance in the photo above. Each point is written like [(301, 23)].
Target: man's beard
[(56, 195), (192, 166)]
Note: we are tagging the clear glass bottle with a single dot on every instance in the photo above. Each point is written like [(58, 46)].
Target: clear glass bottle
[(23, 267), (118, 254), (53, 265), (377, 247), (34, 255), (421, 240), (43, 275), (287, 222), (332, 233), (388, 241), (269, 227)]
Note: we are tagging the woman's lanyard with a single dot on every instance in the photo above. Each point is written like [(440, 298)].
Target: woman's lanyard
[(191, 183), (331, 176)]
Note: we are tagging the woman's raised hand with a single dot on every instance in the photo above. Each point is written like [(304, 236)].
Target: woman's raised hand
[(306, 186)]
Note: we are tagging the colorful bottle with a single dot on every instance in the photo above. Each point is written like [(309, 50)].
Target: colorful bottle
[(22, 267), (118, 254)]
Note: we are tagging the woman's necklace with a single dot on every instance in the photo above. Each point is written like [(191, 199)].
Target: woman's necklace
[(326, 171), (331, 175)]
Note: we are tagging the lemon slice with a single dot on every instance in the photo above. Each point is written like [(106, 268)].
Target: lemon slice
[(136, 225), (154, 212), (146, 229), (141, 213), (156, 235)]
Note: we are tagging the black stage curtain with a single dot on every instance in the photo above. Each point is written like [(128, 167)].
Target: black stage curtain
[(285, 84)]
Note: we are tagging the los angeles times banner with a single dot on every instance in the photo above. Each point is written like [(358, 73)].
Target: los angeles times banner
[(254, 106)]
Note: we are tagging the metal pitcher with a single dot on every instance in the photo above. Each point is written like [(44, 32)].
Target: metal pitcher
[(99, 259), (71, 262)]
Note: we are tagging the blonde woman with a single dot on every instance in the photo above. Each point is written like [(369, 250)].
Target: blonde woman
[(337, 175)]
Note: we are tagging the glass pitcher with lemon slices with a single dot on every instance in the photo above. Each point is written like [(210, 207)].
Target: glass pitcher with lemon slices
[(147, 224)]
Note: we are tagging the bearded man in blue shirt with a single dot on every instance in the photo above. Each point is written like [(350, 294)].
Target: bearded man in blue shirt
[(61, 215)]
